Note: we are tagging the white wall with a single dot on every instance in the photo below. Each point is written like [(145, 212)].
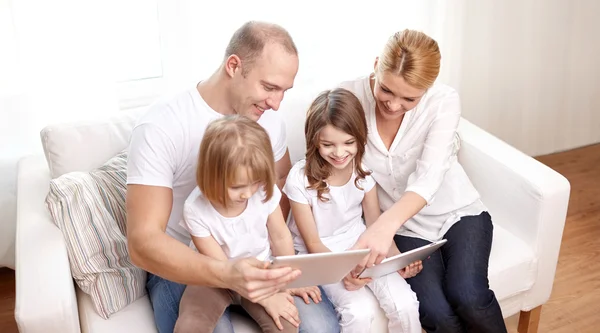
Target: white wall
[(531, 73), (49, 72)]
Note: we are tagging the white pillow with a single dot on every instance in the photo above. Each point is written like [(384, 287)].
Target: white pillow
[(82, 146)]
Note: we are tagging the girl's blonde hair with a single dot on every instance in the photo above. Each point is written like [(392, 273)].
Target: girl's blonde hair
[(414, 56), (341, 109), (229, 143)]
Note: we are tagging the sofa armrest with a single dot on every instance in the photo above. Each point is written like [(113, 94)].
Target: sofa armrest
[(45, 293), (523, 195)]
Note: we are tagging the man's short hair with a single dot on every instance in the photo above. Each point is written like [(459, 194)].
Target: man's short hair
[(250, 39)]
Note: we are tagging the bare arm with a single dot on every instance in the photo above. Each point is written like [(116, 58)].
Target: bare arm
[(282, 168), (209, 247), (371, 211), (279, 234), (308, 228), (370, 206), (150, 248), (409, 204)]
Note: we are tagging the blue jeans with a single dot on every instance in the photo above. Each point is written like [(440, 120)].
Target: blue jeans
[(165, 296), (453, 288)]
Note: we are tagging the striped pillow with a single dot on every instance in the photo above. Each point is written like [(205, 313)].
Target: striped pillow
[(89, 209)]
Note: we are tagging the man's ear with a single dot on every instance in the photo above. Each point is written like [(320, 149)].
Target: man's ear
[(233, 64)]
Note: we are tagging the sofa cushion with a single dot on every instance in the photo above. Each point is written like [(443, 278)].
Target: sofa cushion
[(513, 265), (85, 145), (138, 317), (89, 209)]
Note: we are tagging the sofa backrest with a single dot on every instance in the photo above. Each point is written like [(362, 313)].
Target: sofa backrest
[(83, 146)]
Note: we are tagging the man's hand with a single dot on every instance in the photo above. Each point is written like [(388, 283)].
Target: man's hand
[(281, 305), (378, 238), (252, 279), (352, 283), (411, 270), (312, 292)]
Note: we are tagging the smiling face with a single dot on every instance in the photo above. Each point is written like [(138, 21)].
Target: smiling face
[(393, 95), (337, 147), (262, 86)]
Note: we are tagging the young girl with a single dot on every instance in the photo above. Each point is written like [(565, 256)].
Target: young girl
[(329, 191), (234, 213)]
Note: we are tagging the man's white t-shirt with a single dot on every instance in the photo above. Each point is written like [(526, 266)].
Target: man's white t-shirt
[(339, 220), (164, 144), (243, 236), (422, 159)]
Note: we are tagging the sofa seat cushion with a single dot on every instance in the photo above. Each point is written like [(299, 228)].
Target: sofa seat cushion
[(137, 317), (513, 266)]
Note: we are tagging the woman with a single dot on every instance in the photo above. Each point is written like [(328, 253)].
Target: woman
[(423, 191)]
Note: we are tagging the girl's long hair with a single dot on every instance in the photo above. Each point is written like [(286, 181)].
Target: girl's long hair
[(341, 109)]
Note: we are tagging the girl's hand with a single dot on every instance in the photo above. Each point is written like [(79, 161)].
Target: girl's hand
[(281, 305), (411, 270), (312, 292), (352, 283)]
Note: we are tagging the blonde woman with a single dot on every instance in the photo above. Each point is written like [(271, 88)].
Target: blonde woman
[(423, 191)]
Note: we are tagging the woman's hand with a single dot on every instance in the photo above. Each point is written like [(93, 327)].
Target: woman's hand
[(352, 283), (281, 305), (312, 292), (378, 238), (411, 270)]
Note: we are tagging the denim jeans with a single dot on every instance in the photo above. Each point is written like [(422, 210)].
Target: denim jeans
[(165, 296), (453, 288)]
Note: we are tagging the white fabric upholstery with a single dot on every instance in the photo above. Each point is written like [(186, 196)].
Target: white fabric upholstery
[(86, 145), (527, 200)]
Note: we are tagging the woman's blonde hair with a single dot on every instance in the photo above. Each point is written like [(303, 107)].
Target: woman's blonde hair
[(229, 143), (341, 109), (414, 56)]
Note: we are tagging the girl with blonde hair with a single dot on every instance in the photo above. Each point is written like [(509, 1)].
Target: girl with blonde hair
[(234, 213)]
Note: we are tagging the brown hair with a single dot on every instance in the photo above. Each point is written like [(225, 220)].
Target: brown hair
[(249, 40), (231, 142), (414, 56), (341, 109)]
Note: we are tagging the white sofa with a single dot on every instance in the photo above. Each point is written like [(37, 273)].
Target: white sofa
[(527, 200)]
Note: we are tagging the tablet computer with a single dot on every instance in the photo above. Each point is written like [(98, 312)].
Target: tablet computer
[(398, 262), (320, 268)]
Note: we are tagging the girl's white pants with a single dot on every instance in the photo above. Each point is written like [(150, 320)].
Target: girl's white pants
[(394, 295)]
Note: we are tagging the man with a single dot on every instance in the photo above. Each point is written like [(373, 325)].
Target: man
[(260, 64)]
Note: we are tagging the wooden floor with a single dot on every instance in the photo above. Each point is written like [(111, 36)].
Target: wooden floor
[(575, 300)]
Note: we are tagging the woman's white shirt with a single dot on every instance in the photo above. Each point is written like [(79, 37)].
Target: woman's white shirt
[(422, 159)]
